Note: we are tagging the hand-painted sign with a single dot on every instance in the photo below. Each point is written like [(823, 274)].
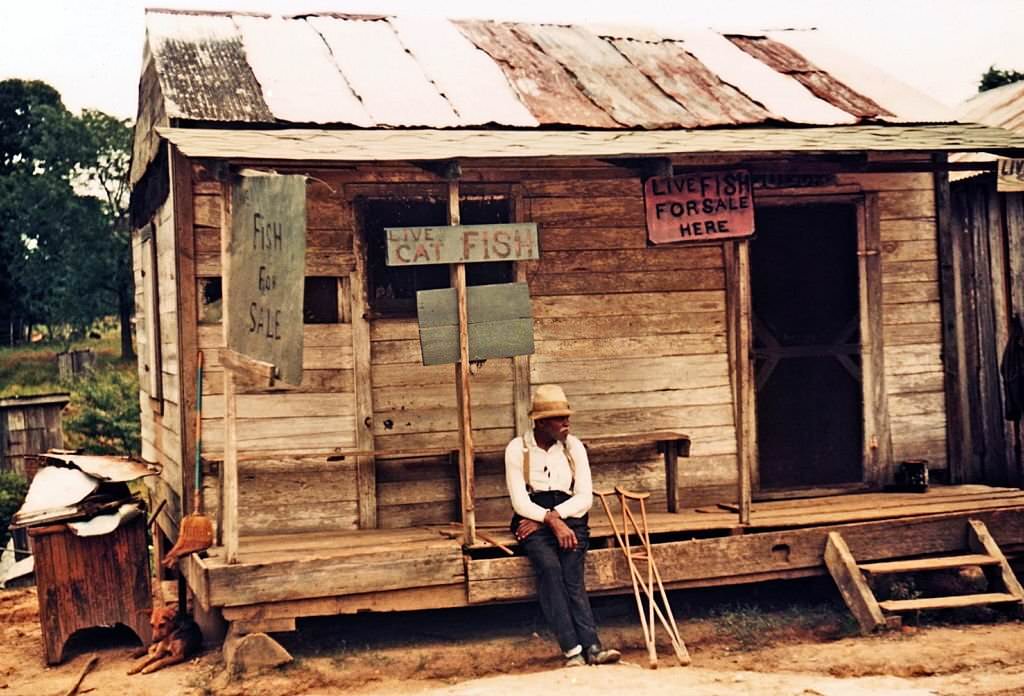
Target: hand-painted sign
[(415, 246), (1010, 174), (500, 322), (264, 259), (699, 207)]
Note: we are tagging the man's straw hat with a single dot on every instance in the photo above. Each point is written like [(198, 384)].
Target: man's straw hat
[(549, 402)]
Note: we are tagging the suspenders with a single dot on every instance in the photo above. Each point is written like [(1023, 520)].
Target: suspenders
[(526, 465)]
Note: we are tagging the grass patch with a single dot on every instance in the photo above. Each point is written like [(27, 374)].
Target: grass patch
[(30, 370), (754, 626)]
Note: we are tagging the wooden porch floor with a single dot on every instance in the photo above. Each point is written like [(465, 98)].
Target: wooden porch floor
[(336, 572)]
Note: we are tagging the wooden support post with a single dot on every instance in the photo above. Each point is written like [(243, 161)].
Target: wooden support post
[(229, 478), (744, 382), (520, 363), (1013, 216), (672, 476), (958, 432), (466, 470), (366, 467), (877, 434)]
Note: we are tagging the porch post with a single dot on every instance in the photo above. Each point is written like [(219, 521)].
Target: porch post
[(466, 469), (958, 432)]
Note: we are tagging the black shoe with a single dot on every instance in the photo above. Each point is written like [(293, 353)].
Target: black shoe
[(596, 655)]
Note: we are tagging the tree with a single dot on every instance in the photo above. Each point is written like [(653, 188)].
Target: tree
[(65, 254), (994, 77), (110, 142)]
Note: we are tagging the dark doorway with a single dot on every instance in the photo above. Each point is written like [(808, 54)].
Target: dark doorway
[(804, 289)]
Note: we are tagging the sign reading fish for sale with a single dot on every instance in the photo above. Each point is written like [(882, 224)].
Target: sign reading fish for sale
[(699, 207)]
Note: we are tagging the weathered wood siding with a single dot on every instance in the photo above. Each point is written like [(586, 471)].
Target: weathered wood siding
[(160, 418), (287, 492), (911, 311), (635, 334), (29, 428)]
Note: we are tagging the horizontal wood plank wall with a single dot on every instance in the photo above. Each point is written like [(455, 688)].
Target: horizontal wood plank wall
[(161, 439), (635, 335), (912, 332), (301, 492)]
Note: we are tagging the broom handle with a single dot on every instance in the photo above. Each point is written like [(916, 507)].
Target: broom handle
[(197, 494)]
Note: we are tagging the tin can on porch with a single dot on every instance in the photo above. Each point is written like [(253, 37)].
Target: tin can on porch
[(913, 475)]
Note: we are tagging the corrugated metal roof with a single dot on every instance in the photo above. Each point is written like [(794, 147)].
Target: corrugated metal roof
[(392, 72), (406, 145), (1002, 107)]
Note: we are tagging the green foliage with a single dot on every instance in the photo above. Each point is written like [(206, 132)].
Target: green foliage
[(995, 77), (12, 493), (104, 413), (65, 254)]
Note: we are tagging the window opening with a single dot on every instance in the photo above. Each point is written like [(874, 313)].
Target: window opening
[(392, 291)]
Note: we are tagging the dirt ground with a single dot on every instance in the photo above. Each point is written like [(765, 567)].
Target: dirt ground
[(785, 640)]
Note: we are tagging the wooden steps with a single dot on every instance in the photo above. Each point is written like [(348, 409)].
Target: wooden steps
[(955, 602), (918, 565), (872, 615)]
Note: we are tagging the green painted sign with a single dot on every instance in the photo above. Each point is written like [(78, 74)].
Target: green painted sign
[(264, 259), (418, 246), (500, 322)]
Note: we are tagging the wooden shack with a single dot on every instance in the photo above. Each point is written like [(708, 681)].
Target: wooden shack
[(29, 425), (987, 207), (806, 361)]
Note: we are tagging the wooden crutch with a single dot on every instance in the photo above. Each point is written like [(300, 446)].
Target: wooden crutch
[(648, 629), (682, 654)]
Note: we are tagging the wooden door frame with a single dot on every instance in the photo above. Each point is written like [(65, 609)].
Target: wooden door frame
[(876, 454)]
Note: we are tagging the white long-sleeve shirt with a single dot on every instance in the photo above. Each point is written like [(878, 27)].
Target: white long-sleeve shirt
[(549, 471)]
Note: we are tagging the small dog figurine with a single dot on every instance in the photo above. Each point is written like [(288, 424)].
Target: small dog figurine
[(176, 637)]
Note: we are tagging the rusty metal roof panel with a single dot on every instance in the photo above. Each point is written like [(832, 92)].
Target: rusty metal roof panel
[(373, 72), (104, 467), (298, 78), (780, 94), (544, 86), (907, 104), (608, 79), (391, 84), (472, 83), (684, 78), (788, 61), (202, 68)]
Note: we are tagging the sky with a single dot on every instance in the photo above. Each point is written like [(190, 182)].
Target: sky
[(91, 50)]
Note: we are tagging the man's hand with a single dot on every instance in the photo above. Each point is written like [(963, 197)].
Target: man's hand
[(526, 528), (566, 537)]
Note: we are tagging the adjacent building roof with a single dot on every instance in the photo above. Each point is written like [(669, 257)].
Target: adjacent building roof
[(1002, 107), (378, 72)]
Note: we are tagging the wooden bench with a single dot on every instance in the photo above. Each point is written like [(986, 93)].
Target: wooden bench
[(671, 444)]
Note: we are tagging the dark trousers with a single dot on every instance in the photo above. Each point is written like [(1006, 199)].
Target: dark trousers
[(560, 584)]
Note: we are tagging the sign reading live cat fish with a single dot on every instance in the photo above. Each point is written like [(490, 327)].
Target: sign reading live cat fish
[(417, 246), (699, 207)]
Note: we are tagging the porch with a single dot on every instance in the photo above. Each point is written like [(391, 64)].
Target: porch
[(281, 577)]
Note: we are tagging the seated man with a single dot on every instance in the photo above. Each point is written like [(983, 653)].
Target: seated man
[(548, 477)]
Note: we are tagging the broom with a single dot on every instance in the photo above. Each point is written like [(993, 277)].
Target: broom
[(196, 531)]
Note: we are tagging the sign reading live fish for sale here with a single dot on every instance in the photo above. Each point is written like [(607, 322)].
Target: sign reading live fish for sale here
[(699, 207)]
